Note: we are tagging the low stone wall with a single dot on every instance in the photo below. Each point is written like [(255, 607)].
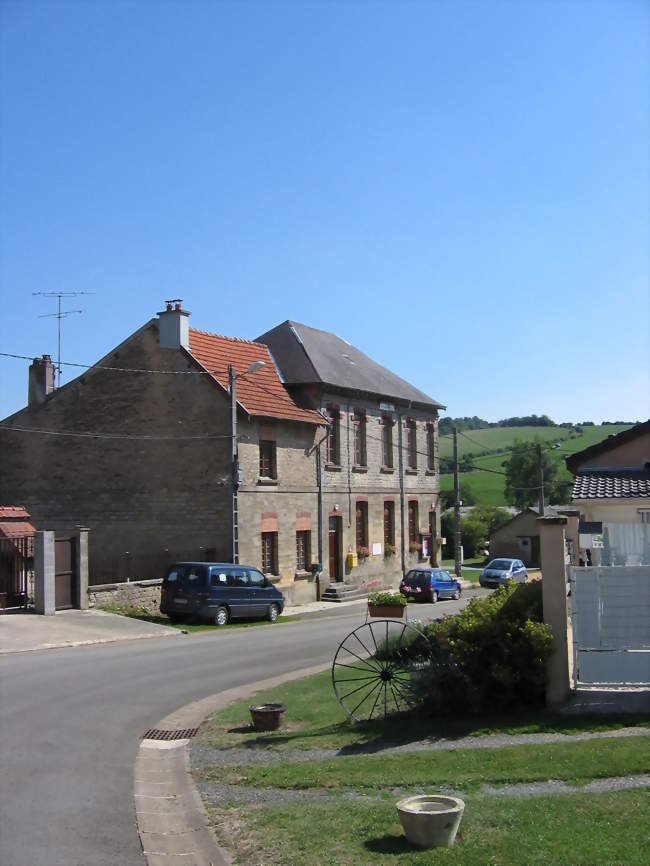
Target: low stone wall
[(144, 594)]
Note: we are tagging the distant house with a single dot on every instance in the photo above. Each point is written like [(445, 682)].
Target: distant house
[(612, 491), (518, 539), (16, 555)]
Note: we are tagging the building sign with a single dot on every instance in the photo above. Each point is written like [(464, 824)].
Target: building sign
[(386, 407)]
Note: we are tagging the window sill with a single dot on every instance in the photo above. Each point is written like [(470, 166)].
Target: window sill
[(410, 471), (359, 468), (431, 472), (263, 480), (302, 575), (387, 470), (274, 578), (333, 467)]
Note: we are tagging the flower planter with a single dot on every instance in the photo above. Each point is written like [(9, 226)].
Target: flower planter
[(267, 717), (386, 610), (431, 820)]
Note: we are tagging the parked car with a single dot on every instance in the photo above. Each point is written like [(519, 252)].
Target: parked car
[(500, 571), (218, 592), (430, 584)]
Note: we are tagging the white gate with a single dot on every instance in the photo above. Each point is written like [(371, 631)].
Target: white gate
[(610, 611)]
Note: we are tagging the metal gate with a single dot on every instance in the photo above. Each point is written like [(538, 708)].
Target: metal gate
[(16, 571), (64, 573), (610, 611)]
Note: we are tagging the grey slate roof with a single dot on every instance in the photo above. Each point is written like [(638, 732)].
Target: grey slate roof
[(621, 484), (308, 355)]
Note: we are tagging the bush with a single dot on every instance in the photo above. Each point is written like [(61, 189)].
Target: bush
[(491, 655)]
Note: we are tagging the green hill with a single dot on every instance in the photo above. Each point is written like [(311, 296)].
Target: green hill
[(488, 487)]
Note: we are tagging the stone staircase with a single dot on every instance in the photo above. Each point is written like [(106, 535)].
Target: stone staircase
[(338, 592)]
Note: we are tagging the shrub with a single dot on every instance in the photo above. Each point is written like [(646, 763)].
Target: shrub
[(389, 550), (492, 654), (363, 552)]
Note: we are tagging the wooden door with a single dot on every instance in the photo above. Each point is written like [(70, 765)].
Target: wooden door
[(334, 548)]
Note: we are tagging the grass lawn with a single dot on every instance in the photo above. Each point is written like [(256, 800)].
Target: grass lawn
[(466, 769), (342, 810), (315, 720), (568, 830), (190, 625)]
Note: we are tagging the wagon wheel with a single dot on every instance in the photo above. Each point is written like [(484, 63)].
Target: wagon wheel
[(375, 666)]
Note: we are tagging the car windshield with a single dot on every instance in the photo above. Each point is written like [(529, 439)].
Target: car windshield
[(501, 564), (186, 576)]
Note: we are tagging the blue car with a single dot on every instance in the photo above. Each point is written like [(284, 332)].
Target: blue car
[(430, 584), (500, 571)]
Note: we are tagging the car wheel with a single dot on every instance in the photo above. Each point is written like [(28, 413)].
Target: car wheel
[(434, 596), (221, 617), (272, 613), (456, 595)]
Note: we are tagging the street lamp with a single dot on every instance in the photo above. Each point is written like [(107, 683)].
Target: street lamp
[(235, 480)]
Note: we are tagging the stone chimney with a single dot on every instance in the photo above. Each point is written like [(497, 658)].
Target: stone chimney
[(41, 380), (174, 326)]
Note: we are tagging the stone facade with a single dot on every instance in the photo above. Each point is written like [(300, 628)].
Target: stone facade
[(146, 501)]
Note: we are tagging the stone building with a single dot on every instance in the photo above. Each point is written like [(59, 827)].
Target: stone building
[(139, 449)]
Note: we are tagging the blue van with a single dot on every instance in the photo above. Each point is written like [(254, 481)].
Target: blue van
[(218, 592)]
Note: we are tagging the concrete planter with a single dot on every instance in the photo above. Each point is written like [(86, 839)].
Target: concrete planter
[(431, 820), (267, 717)]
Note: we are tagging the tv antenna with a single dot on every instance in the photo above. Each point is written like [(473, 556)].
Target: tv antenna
[(60, 314)]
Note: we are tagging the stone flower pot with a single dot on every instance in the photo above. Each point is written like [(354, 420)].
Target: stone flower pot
[(267, 717), (386, 610), (431, 820)]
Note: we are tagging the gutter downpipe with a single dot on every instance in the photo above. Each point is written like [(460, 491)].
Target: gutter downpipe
[(401, 489)]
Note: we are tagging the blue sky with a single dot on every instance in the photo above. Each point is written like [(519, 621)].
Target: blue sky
[(460, 189)]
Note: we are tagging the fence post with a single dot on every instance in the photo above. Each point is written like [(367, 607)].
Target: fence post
[(44, 574), (81, 553), (554, 601)]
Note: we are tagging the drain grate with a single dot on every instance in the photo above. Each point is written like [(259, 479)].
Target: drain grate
[(158, 734)]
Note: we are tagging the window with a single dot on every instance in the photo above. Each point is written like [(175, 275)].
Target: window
[(255, 578), (237, 577), (303, 550), (270, 552), (411, 444), (431, 448), (333, 438), (362, 525), (268, 465), (387, 441), (413, 522), (360, 458), (389, 525)]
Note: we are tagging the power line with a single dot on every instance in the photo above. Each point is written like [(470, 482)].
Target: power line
[(125, 369), (88, 434)]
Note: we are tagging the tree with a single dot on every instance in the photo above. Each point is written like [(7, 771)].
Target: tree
[(521, 476), (466, 496)]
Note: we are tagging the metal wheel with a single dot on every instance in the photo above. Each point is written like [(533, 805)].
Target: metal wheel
[(221, 616), (374, 668), (434, 596), (272, 613), (456, 595)]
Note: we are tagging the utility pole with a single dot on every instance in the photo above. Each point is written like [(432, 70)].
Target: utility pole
[(60, 315), (540, 481), (457, 538)]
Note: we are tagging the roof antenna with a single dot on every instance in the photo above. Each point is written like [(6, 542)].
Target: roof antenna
[(60, 314)]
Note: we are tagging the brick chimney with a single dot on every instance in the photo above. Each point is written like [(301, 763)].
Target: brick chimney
[(41, 380), (174, 326)]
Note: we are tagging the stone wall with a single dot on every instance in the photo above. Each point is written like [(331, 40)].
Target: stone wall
[(143, 594)]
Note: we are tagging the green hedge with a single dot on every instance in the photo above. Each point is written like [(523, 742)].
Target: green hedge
[(491, 656)]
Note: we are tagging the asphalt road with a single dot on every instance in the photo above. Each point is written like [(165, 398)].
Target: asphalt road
[(71, 719)]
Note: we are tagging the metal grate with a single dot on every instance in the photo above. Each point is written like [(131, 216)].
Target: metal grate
[(158, 734)]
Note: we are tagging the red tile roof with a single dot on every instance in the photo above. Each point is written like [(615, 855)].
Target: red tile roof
[(261, 393), (10, 512), (16, 529)]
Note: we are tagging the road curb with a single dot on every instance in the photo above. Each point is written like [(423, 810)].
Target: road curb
[(172, 822)]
